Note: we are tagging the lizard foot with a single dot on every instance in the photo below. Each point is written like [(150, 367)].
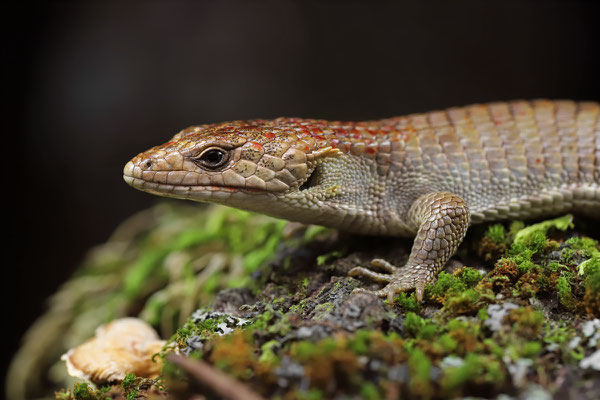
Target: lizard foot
[(398, 279)]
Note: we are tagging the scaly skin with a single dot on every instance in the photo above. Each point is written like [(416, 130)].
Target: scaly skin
[(426, 176)]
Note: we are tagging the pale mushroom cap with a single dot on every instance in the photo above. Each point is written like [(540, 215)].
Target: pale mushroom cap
[(120, 347)]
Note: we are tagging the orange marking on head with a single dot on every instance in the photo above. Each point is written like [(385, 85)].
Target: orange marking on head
[(270, 135), (371, 150), (256, 145)]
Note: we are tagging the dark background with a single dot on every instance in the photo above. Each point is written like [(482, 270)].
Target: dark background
[(91, 84)]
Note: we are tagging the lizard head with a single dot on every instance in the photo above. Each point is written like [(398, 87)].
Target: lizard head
[(258, 165)]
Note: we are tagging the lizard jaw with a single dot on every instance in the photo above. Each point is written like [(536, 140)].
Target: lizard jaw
[(192, 192)]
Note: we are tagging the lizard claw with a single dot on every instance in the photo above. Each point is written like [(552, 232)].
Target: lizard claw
[(398, 280)]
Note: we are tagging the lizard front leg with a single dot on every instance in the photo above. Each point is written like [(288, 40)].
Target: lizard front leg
[(442, 220)]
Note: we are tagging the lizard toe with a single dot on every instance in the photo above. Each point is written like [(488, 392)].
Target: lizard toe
[(376, 276), (384, 265)]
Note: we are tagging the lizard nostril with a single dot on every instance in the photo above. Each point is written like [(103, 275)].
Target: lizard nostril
[(146, 164)]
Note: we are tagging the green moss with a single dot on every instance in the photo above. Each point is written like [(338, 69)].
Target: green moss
[(454, 288), (562, 223), (469, 276), (482, 315), (496, 233), (129, 381), (475, 369), (268, 355), (82, 391), (369, 391), (565, 295), (314, 231), (589, 267), (419, 327), (132, 395), (360, 343), (462, 303), (445, 284), (235, 354), (455, 377), (304, 350), (526, 322), (530, 349), (588, 246), (407, 302), (522, 251), (312, 394), (448, 343), (420, 370), (271, 321), (515, 227), (592, 287), (554, 266), (305, 283), (321, 310), (326, 258)]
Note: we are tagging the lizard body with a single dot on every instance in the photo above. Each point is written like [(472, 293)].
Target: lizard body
[(427, 176)]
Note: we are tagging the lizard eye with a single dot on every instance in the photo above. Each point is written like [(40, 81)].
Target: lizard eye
[(212, 158)]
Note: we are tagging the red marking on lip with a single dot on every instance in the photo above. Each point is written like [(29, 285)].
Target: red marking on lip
[(371, 150), (270, 135)]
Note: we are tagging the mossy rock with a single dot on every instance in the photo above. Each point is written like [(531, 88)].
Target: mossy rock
[(277, 311)]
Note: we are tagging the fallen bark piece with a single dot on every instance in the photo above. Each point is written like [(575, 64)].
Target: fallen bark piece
[(221, 383)]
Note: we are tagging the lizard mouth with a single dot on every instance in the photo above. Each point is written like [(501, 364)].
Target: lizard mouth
[(176, 190), (166, 189)]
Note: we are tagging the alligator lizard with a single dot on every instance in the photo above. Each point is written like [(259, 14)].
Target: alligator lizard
[(427, 176)]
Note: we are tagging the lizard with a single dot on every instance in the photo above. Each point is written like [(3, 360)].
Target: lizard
[(427, 175)]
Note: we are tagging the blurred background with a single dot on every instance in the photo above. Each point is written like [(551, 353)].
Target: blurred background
[(90, 84)]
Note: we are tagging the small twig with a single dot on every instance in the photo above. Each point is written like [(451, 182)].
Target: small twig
[(222, 384)]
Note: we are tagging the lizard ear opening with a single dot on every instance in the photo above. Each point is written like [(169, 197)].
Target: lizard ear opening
[(310, 182)]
